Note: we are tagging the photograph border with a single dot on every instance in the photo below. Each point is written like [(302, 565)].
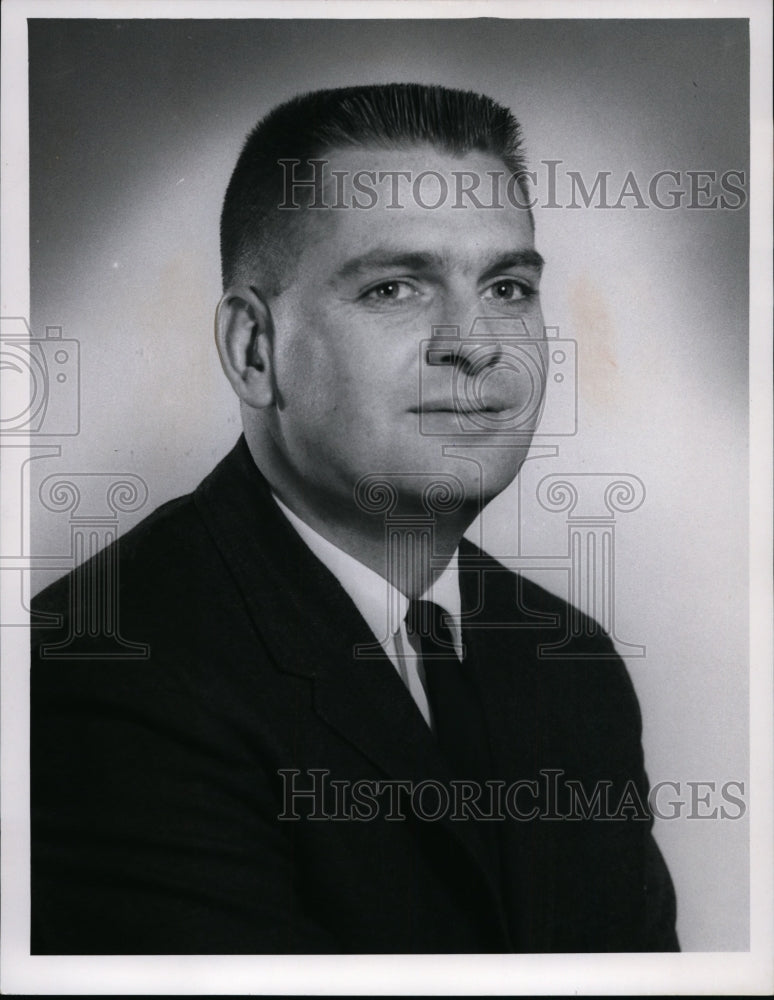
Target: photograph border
[(704, 972)]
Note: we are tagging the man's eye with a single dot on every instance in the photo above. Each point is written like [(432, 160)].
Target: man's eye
[(390, 291), (508, 290)]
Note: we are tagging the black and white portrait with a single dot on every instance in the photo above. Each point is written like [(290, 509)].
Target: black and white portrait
[(379, 447)]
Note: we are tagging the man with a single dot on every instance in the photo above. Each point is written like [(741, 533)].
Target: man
[(347, 735)]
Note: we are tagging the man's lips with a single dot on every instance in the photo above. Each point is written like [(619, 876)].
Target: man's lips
[(461, 409)]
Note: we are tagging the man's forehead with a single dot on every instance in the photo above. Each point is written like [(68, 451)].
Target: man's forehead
[(416, 206), (356, 242)]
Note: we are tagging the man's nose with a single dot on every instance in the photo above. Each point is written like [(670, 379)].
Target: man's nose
[(452, 347)]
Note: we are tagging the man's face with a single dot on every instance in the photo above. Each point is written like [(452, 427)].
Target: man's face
[(360, 390)]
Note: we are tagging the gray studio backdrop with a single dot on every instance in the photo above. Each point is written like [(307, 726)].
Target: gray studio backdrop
[(134, 128)]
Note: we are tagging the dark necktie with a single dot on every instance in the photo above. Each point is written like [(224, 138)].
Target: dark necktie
[(458, 717), (452, 692)]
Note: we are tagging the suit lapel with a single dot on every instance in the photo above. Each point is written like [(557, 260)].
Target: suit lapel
[(311, 628)]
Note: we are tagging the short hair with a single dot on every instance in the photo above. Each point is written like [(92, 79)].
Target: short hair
[(256, 237)]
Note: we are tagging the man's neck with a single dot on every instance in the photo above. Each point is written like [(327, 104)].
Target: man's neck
[(408, 547)]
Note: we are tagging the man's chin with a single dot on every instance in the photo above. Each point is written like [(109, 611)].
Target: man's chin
[(460, 478)]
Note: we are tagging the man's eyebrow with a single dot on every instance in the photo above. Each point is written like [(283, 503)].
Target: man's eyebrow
[(384, 257), (516, 258)]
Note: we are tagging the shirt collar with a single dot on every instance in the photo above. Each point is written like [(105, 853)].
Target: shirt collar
[(381, 604)]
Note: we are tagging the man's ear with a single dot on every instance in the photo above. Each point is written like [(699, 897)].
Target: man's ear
[(243, 332)]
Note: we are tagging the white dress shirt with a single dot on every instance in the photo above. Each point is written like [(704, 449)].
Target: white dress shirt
[(384, 607)]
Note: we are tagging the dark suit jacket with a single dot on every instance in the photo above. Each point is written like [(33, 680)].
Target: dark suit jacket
[(157, 784)]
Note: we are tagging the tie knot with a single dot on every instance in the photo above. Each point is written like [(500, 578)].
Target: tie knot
[(421, 616), (428, 621)]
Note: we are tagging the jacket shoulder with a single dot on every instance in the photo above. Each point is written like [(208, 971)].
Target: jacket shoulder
[(519, 598), (157, 541)]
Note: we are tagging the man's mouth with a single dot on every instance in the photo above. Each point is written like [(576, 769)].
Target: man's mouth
[(461, 409)]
